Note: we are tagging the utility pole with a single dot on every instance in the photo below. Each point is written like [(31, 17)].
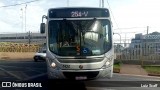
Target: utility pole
[(125, 44), (29, 37), (25, 16), (146, 49), (147, 30), (147, 40), (67, 3), (102, 3)]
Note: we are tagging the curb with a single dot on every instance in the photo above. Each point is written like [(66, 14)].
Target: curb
[(116, 70), (25, 59), (4, 57), (151, 74), (140, 75)]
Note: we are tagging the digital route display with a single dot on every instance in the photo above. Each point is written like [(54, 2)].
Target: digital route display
[(78, 12)]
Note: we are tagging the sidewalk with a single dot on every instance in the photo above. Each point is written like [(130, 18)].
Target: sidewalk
[(20, 56), (132, 69)]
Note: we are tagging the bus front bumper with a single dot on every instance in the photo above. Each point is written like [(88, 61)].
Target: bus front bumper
[(80, 74)]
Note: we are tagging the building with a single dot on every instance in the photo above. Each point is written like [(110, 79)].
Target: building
[(146, 46)]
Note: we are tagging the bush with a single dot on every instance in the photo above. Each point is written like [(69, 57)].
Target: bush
[(118, 62), (152, 69), (18, 47)]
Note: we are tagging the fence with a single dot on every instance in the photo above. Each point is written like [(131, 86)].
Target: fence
[(18, 47), (141, 52)]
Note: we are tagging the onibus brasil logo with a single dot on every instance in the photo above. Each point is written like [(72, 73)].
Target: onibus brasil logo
[(18, 84)]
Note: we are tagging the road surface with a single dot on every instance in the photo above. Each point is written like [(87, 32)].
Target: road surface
[(35, 72)]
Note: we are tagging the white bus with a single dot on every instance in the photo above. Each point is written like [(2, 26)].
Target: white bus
[(79, 43)]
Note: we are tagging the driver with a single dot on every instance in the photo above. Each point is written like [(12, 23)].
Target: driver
[(66, 43)]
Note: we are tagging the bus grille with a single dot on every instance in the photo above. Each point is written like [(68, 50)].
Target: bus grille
[(72, 60), (72, 75)]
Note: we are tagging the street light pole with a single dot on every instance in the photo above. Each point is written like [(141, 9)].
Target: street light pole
[(119, 36), (22, 19)]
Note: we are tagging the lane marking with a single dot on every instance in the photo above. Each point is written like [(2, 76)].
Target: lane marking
[(27, 68), (99, 88), (22, 67), (31, 69), (14, 75), (36, 76)]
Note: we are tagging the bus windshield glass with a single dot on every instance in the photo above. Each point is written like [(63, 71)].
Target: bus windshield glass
[(79, 37)]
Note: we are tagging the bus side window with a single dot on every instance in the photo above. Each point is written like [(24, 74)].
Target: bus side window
[(106, 32)]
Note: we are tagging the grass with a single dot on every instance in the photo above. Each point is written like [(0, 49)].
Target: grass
[(116, 67), (152, 69)]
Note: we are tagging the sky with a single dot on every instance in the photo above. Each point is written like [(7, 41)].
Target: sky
[(128, 16)]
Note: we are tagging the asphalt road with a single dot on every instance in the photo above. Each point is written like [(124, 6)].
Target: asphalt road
[(35, 72)]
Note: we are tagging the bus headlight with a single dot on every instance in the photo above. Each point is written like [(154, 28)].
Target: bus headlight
[(51, 62), (53, 65), (108, 62)]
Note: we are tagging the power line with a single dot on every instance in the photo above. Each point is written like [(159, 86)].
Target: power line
[(18, 4), (129, 28), (112, 14)]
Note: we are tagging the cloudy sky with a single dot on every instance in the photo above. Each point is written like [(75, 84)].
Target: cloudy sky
[(128, 16)]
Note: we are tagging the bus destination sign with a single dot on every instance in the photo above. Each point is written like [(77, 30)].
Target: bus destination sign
[(78, 13)]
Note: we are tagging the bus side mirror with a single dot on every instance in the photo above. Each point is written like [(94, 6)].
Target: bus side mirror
[(42, 28)]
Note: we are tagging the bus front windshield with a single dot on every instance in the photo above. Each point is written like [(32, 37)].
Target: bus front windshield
[(79, 37)]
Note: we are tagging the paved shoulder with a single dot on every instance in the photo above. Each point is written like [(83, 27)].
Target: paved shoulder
[(132, 69)]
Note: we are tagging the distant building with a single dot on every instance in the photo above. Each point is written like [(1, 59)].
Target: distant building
[(146, 45), (149, 43), (142, 47), (29, 38)]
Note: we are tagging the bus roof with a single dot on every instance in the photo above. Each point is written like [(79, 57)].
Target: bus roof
[(76, 8)]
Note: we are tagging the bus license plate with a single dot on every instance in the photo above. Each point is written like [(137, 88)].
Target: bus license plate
[(80, 77)]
